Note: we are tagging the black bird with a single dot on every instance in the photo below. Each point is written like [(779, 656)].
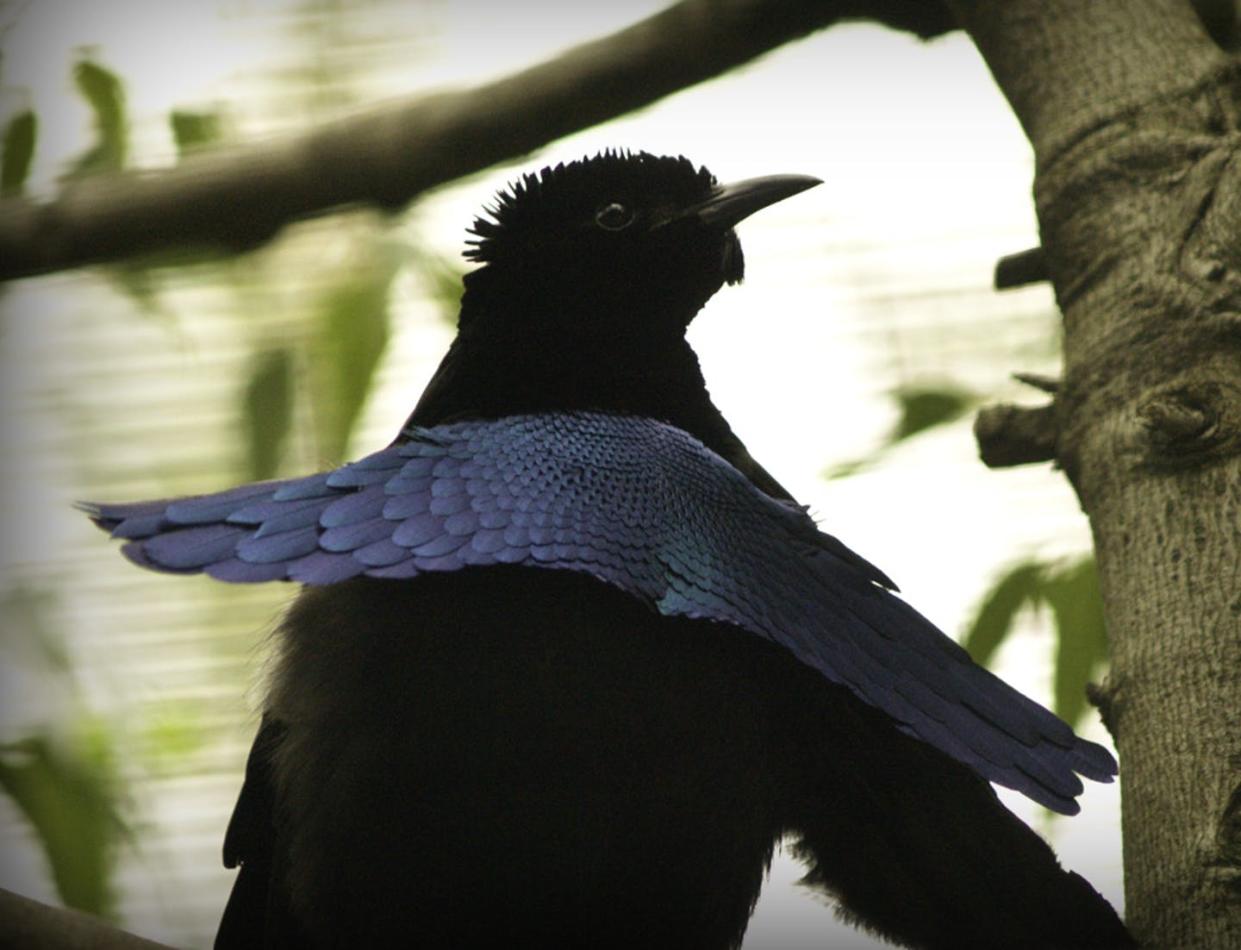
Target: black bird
[(569, 662)]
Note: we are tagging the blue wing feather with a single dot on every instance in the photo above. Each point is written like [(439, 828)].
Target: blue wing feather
[(647, 508)]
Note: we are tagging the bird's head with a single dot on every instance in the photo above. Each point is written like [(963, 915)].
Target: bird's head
[(617, 244), (589, 274)]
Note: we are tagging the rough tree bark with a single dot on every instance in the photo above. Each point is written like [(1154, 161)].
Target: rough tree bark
[(1133, 114)]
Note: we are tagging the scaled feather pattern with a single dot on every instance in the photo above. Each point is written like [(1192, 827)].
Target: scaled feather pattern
[(645, 507)]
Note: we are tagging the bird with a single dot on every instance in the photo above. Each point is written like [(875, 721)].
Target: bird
[(567, 662)]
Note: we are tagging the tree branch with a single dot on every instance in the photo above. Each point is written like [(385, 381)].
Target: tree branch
[(238, 198), (27, 923), (1020, 269), (1009, 435)]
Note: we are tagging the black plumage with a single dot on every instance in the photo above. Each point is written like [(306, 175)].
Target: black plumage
[(571, 661)]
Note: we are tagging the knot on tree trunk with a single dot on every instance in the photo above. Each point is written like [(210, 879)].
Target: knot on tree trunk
[(1185, 425)]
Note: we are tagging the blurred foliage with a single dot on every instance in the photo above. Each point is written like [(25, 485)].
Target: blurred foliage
[(1015, 589), (105, 95), (330, 367), (193, 130), (311, 342), (1076, 604), (172, 735), (139, 282), (67, 791), (63, 777), (925, 407), (1071, 591), (20, 136), (267, 411), (921, 407), (350, 334)]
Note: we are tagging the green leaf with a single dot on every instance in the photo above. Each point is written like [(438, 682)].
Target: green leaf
[(1072, 594), (19, 139), (351, 334), (67, 793), (138, 282), (267, 411), (1021, 586), (846, 469), (105, 94), (924, 407), (172, 735), (191, 130), (921, 408), (1081, 638)]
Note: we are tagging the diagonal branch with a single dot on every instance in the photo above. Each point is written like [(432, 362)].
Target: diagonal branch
[(28, 923), (238, 198)]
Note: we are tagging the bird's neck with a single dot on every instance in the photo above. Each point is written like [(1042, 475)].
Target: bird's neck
[(528, 344), (486, 376), (490, 378), (510, 361)]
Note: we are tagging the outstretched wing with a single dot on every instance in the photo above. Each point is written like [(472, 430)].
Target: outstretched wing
[(647, 508)]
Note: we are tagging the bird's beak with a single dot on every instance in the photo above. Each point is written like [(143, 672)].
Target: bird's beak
[(730, 204)]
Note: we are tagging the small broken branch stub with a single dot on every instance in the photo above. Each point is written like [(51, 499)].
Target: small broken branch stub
[(1011, 435), (1021, 269)]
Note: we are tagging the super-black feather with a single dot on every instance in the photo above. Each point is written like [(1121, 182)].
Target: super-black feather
[(570, 661)]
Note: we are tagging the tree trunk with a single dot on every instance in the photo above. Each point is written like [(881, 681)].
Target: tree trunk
[(1133, 114)]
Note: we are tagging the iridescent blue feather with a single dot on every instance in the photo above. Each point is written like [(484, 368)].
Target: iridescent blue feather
[(647, 508)]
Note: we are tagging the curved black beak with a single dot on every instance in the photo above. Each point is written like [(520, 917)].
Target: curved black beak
[(730, 204)]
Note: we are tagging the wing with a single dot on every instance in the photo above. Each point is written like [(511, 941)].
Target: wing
[(647, 508)]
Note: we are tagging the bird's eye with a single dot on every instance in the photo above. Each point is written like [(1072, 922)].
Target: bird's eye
[(613, 217)]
